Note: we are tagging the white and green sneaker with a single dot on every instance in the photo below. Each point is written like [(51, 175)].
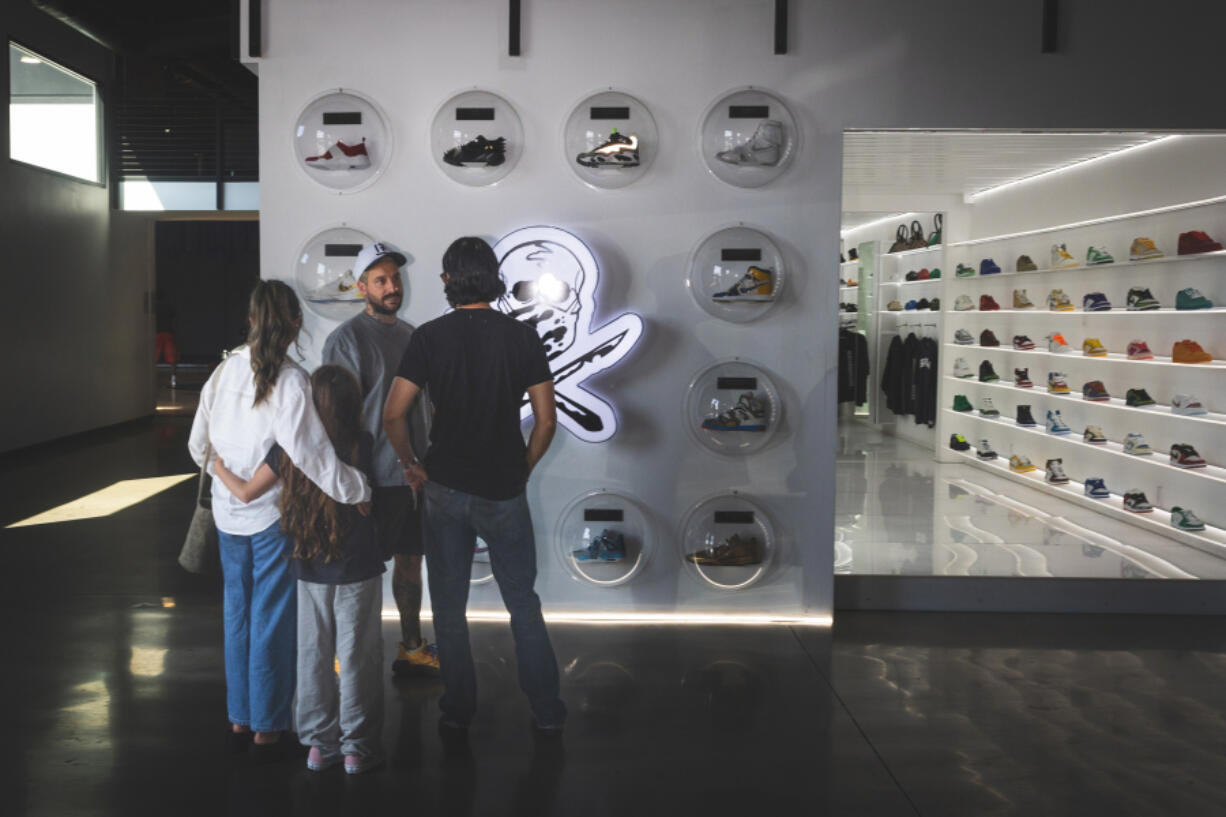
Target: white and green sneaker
[(1184, 519), (1095, 255)]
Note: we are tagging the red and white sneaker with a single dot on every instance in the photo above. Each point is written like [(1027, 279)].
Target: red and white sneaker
[(341, 157), (1185, 456), (1139, 350)]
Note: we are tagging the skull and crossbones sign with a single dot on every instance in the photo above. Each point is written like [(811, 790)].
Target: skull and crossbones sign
[(551, 278)]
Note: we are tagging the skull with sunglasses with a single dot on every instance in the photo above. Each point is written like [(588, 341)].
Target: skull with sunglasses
[(544, 286)]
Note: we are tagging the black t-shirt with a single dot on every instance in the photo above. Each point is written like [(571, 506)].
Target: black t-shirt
[(360, 557), (477, 364)]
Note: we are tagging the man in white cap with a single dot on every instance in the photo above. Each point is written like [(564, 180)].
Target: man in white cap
[(370, 344)]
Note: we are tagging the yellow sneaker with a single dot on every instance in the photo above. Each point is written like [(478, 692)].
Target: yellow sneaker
[(1142, 249), (1093, 347), (421, 661)]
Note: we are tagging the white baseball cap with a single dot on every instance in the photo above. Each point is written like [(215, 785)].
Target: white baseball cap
[(374, 253)]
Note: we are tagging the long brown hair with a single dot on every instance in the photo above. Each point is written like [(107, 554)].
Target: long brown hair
[(312, 519), (276, 317)]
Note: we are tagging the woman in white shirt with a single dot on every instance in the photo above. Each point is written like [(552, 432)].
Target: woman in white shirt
[(256, 398)]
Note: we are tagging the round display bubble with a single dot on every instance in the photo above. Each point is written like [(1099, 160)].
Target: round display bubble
[(727, 541), (324, 274), (610, 140), (476, 138), (748, 137), (732, 407), (342, 141), (604, 538), (737, 274)]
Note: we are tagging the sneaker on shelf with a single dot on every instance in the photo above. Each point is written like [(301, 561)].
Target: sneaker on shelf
[(1187, 405), (1054, 472), (983, 450), (1021, 378), (763, 149), (1058, 301), (1020, 464), (1057, 383), (1093, 347), (1138, 398), (894, 306), (988, 338), (988, 267), (987, 303), (749, 414), (609, 546), (962, 368), (1020, 301), (481, 151), (961, 403), (1189, 351), (1096, 488), (923, 275), (1055, 423), (1185, 456), (1095, 391), (911, 304), (1136, 502), (958, 443), (1022, 342), (756, 285), (986, 373), (853, 254), (922, 303), (341, 157), (963, 337), (911, 276), (935, 304), (1056, 343), (1143, 249), (1094, 436), (735, 551), (1135, 444), (1095, 302), (935, 274), (1184, 519), (988, 409), (1098, 255), (1060, 258), (1140, 300), (963, 271), (621, 151), (1139, 350), (963, 303), (1024, 417), (423, 659), (1024, 264), (1191, 298), (1195, 242)]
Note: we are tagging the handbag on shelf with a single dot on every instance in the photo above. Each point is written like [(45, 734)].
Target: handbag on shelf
[(917, 240), (200, 547), (938, 222), (901, 238)]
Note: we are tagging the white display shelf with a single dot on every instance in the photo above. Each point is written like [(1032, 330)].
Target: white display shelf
[(931, 312), (1159, 459), (1219, 255), (1113, 312), (1110, 357), (1114, 403), (909, 253), (1211, 540), (911, 283)]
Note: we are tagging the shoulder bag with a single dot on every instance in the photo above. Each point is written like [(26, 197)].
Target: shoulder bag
[(200, 547)]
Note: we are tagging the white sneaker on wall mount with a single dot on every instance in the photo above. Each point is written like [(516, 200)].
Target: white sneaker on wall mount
[(763, 149), (340, 290)]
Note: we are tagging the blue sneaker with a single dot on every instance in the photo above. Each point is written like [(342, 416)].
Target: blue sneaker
[(1095, 302), (609, 546), (910, 305), (1096, 488), (988, 267), (1055, 423)]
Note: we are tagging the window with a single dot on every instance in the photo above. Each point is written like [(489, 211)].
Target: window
[(54, 116)]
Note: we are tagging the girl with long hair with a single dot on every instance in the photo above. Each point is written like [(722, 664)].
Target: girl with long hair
[(338, 564), (257, 398)]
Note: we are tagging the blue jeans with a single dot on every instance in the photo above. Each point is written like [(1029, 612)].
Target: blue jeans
[(261, 620), (454, 520)]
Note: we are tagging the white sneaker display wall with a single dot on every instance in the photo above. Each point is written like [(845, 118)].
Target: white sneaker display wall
[(342, 141)]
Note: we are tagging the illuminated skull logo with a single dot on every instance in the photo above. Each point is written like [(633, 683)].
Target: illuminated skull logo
[(551, 279)]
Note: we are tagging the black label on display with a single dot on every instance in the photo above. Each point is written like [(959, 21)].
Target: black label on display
[(740, 254), (734, 517), (737, 383), (610, 113), (470, 114), (749, 112), (342, 250), (603, 515), (343, 118)]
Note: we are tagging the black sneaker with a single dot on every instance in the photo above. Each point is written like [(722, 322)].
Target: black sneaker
[(480, 151), (988, 338), (935, 305), (986, 373), (923, 304), (1136, 502), (1139, 397), (1024, 418), (958, 443)]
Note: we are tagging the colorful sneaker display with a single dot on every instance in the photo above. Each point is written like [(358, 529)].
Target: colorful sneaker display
[(1141, 300), (1023, 343), (1138, 398), (1020, 464), (1098, 255), (962, 368), (1021, 301), (988, 338), (1139, 350), (894, 306), (1135, 444), (1136, 502), (1055, 423), (958, 443), (963, 271), (480, 151), (1021, 378), (1185, 456), (961, 403), (1024, 417), (1189, 351), (1184, 519), (749, 414), (963, 303), (1191, 298), (963, 337), (1195, 242), (756, 285), (988, 304), (983, 450), (1095, 391), (1058, 301), (1060, 258), (988, 267), (1056, 343), (735, 551), (1187, 405), (1057, 383), (763, 149), (986, 373), (341, 157), (1093, 347), (1095, 302), (1053, 472), (988, 409), (1094, 436), (618, 151), (1143, 249), (609, 546), (1096, 488), (1024, 264)]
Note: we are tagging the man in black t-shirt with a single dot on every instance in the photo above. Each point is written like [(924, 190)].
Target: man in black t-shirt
[(477, 364)]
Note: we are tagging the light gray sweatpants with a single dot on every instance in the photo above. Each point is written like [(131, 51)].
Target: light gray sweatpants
[(341, 620)]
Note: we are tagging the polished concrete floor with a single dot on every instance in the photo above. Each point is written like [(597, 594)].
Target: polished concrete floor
[(114, 684)]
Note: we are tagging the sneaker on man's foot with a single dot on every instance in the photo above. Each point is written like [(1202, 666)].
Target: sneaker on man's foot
[(420, 661)]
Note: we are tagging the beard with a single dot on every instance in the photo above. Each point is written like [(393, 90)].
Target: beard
[(382, 307)]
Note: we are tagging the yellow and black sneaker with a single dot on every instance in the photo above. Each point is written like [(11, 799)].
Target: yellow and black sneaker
[(420, 661)]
